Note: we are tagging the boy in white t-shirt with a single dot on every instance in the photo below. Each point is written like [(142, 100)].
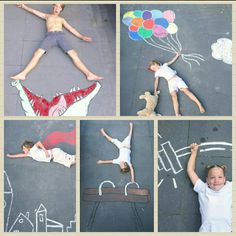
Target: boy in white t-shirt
[(124, 160), (38, 152), (215, 196), (174, 83)]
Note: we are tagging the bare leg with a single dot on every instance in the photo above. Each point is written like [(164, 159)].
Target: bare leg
[(33, 62), (81, 66), (109, 138), (193, 98), (130, 129), (175, 103)]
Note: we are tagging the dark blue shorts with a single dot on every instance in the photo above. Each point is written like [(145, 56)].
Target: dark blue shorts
[(57, 38)]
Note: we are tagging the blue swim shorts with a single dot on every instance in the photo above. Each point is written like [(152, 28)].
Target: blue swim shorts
[(57, 38)]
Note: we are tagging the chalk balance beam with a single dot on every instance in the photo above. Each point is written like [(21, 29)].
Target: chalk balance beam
[(113, 194)]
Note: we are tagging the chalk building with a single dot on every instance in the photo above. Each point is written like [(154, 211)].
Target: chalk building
[(22, 224), (43, 224), (8, 199)]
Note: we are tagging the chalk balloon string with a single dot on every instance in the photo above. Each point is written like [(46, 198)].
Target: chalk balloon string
[(157, 29)]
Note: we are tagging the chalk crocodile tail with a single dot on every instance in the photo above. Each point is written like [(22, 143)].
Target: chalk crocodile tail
[(35, 105)]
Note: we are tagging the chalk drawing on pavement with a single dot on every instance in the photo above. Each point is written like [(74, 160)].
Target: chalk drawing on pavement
[(74, 103), (158, 29), (23, 223), (169, 158), (222, 50)]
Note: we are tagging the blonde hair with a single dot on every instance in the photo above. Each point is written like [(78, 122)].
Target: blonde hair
[(62, 6)]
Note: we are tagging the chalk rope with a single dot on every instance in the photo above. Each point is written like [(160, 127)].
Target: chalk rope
[(173, 45)]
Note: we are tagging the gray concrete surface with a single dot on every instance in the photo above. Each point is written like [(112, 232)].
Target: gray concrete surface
[(115, 216), (178, 208), (34, 183), (23, 33), (199, 26)]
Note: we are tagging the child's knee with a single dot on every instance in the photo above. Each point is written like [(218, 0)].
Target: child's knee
[(73, 54)]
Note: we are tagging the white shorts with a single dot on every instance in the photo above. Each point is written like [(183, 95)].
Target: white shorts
[(125, 143), (176, 83), (62, 157)]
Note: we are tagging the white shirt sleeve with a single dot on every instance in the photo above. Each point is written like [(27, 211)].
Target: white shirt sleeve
[(116, 161), (200, 186), (33, 150)]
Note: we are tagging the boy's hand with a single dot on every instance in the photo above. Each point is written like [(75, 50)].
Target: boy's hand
[(20, 5), (8, 155), (99, 162), (86, 39), (194, 147)]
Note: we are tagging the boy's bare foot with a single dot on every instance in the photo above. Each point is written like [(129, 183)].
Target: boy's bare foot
[(19, 76), (178, 114), (202, 110), (92, 76)]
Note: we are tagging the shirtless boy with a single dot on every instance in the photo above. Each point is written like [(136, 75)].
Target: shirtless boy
[(56, 37)]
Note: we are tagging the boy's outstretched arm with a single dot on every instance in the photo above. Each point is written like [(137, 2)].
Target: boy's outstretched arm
[(33, 11), (174, 59), (132, 173), (156, 82), (104, 162), (192, 163), (76, 32), (19, 155)]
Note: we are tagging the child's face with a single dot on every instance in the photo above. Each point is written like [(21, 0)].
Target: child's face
[(25, 150), (154, 67), (57, 9), (216, 179), (122, 164)]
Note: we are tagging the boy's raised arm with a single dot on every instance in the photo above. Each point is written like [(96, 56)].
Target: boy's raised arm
[(76, 32), (33, 11), (192, 163), (156, 82), (174, 59), (132, 173)]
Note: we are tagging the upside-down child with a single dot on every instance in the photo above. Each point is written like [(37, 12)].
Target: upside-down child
[(215, 196), (38, 152), (174, 83), (124, 159)]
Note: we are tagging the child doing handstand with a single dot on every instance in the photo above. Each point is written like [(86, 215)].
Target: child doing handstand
[(124, 153), (174, 83), (215, 196), (38, 152)]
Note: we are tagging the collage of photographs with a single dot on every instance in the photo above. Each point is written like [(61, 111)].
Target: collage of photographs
[(151, 83)]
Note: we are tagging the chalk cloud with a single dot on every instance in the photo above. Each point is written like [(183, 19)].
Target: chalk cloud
[(222, 50)]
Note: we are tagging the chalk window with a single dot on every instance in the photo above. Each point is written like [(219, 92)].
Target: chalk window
[(41, 218), (21, 221)]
